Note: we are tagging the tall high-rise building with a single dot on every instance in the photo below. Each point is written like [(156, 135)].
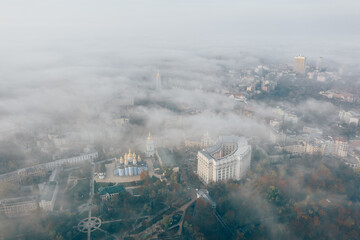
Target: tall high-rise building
[(158, 81), (299, 64)]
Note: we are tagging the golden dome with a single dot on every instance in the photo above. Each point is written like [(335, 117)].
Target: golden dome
[(121, 160), (149, 137), (139, 158)]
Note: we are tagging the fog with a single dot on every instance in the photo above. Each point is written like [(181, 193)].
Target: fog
[(71, 66), (63, 61)]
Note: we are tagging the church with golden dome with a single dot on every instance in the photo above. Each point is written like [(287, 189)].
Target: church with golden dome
[(129, 165)]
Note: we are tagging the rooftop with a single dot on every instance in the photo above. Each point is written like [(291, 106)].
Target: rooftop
[(111, 190), (48, 192), (239, 141)]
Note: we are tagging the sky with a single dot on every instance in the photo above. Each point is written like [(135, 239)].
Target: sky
[(200, 24), (57, 56)]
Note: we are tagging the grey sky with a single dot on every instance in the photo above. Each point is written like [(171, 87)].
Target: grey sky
[(57, 53), (177, 22)]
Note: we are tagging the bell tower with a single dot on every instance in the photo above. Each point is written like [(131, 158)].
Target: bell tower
[(150, 147)]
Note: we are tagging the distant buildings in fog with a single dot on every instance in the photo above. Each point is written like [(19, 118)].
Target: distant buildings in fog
[(341, 96), (349, 117), (40, 169)]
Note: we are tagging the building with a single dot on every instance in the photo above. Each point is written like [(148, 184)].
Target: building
[(129, 165), (15, 207), (286, 115), (319, 64), (192, 143), (228, 159), (48, 196), (106, 193), (150, 146), (299, 64), (315, 146), (340, 147), (349, 117), (100, 170), (40, 169), (206, 140), (71, 161)]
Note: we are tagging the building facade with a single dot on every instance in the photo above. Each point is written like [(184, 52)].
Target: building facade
[(15, 207), (299, 64), (150, 146), (349, 117), (340, 147), (40, 169), (48, 196), (228, 159), (129, 165)]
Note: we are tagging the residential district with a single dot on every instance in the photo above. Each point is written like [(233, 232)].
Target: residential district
[(287, 168)]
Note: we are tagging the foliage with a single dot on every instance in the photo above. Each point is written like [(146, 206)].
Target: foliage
[(307, 199)]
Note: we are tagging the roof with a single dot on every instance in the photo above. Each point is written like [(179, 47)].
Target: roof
[(48, 192), (167, 157), (241, 146), (111, 190)]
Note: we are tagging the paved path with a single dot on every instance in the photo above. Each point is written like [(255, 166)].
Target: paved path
[(152, 228)]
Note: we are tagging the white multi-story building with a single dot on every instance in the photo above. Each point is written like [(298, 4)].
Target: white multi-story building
[(340, 147), (228, 159), (349, 117)]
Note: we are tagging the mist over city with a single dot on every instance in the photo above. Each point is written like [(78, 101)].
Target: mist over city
[(179, 120)]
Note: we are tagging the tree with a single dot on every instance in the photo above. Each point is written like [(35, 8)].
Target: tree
[(273, 194), (166, 222), (175, 177), (187, 227)]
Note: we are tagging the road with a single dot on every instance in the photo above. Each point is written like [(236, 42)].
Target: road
[(91, 194)]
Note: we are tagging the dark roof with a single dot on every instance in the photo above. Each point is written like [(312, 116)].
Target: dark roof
[(111, 190)]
